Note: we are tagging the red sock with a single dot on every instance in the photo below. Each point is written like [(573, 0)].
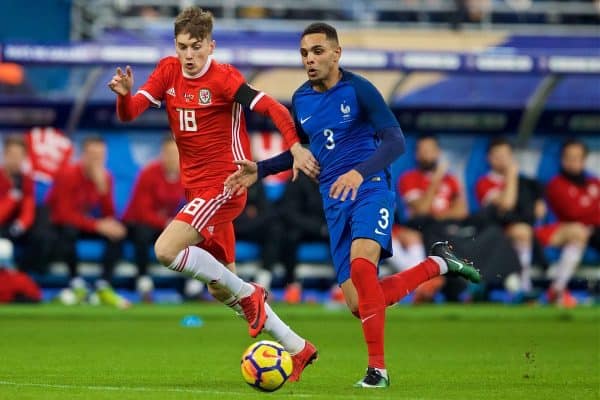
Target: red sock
[(371, 306), (397, 286)]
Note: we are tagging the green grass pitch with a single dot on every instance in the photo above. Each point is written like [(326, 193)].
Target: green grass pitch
[(433, 352)]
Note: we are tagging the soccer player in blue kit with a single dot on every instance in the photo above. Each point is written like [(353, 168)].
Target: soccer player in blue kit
[(355, 137)]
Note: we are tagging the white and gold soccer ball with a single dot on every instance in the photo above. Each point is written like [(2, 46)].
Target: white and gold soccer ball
[(266, 365)]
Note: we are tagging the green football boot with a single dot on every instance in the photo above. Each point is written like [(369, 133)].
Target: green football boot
[(108, 296), (374, 379), (455, 265)]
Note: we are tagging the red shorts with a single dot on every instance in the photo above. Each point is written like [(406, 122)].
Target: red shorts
[(211, 212), (545, 232)]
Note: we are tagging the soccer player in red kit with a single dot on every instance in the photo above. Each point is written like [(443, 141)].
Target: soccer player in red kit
[(204, 101)]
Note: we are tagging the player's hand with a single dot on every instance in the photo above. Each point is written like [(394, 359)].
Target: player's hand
[(98, 175), (243, 178), (121, 83), (304, 161), (345, 185), (111, 228)]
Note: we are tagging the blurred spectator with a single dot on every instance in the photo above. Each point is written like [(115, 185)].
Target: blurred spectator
[(259, 224), (81, 206), (574, 196), (157, 196), (431, 195), (437, 210), (516, 203), (304, 221), (17, 201)]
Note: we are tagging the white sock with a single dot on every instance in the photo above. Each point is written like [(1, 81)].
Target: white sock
[(441, 263), (524, 252), (383, 372), (570, 256), (201, 265), (283, 333)]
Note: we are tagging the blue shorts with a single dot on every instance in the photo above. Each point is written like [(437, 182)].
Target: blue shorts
[(370, 216)]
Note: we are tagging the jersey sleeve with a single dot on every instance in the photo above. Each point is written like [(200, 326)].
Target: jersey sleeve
[(369, 98), (299, 131), (454, 185), (484, 191), (236, 88), (156, 85)]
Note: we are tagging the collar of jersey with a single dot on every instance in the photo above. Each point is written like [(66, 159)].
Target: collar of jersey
[(202, 71)]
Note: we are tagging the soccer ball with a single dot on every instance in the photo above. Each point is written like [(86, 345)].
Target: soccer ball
[(266, 365)]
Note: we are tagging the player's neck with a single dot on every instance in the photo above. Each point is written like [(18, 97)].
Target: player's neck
[(329, 82)]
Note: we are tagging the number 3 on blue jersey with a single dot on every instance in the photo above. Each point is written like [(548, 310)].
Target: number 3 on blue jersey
[(330, 141), (384, 220)]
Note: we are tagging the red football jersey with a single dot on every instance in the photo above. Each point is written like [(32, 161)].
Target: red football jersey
[(75, 200), (206, 121), (489, 186), (413, 184), (575, 203), (155, 199), (20, 208)]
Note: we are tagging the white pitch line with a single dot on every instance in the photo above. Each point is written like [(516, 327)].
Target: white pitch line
[(133, 389), (176, 390)]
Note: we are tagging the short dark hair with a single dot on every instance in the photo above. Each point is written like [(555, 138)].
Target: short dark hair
[(92, 139), (497, 142), (427, 136), (322, 27), (574, 142), (195, 21)]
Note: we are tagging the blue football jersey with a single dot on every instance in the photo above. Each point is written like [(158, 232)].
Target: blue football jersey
[(341, 123)]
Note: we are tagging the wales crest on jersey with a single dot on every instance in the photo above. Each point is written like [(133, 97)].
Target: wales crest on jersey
[(204, 97)]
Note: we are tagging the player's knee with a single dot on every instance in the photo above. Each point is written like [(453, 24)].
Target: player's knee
[(521, 233), (165, 254), (577, 233)]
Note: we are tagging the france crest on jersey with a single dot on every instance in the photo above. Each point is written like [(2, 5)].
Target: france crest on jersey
[(341, 125)]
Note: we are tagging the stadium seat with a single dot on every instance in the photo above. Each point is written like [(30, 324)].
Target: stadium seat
[(399, 167), (476, 167), (313, 253), (246, 251)]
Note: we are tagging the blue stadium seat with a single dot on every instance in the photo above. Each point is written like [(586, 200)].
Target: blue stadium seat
[(246, 251), (274, 190), (400, 166), (314, 253), (122, 166), (476, 167), (90, 250), (549, 162)]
